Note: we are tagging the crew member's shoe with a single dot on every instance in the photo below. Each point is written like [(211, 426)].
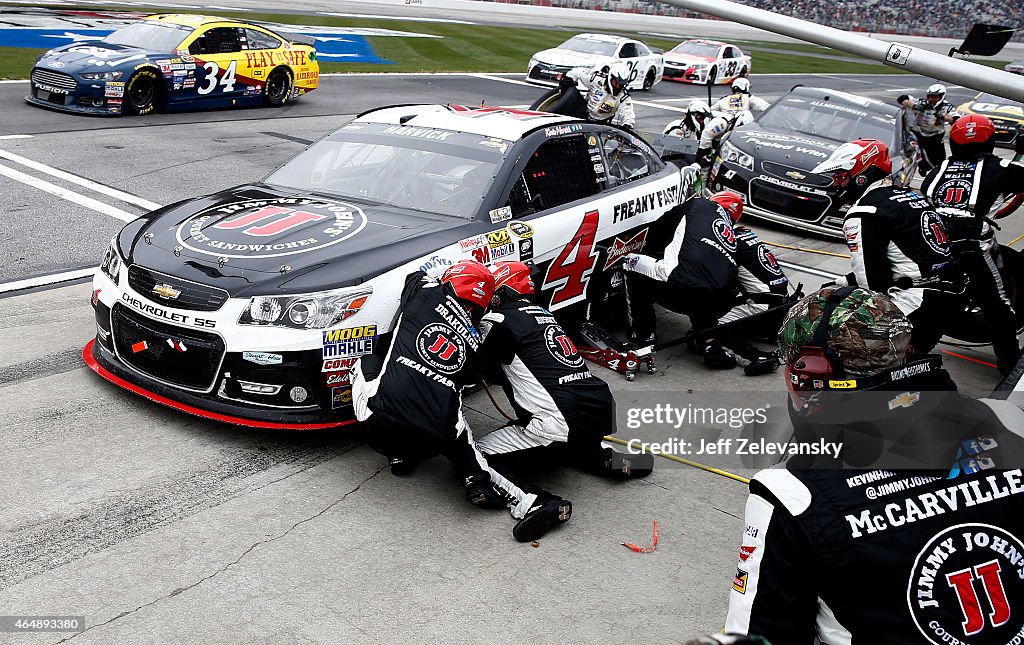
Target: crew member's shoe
[(624, 465), (480, 492), (545, 514), (401, 466), (718, 358), (642, 339), (754, 361)]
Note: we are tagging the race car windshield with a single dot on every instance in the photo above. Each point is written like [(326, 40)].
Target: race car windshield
[(435, 171), (696, 49), (154, 36), (589, 46), (828, 120)]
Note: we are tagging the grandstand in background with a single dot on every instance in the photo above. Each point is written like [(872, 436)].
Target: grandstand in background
[(934, 18)]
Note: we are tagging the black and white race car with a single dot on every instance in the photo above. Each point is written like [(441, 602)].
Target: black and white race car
[(769, 161), (251, 305)]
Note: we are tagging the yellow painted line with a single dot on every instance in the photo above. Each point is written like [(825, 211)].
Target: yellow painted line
[(815, 251), (1016, 239)]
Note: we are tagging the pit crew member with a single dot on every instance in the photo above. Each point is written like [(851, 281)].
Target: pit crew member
[(561, 406), (692, 125), (762, 283), (963, 189), (929, 118), (597, 94), (895, 238), (696, 275), (741, 100), (715, 132), (881, 545), (410, 399)]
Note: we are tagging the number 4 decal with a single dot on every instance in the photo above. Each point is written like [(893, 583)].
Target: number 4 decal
[(569, 273)]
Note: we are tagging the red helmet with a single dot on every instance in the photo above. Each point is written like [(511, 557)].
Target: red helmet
[(863, 161), (512, 280), (731, 202), (973, 128), (471, 281)]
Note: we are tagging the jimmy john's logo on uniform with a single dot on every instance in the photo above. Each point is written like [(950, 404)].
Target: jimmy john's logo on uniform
[(561, 347), (724, 234), (441, 348), (934, 233), (270, 228), (967, 586)]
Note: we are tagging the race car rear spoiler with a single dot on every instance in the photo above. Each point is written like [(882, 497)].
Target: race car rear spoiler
[(299, 39)]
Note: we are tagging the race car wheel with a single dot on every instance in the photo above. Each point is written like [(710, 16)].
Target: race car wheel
[(649, 79), (712, 76), (743, 72), (546, 100), (142, 93), (279, 87)]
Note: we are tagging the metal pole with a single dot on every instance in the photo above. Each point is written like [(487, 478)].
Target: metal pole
[(896, 55)]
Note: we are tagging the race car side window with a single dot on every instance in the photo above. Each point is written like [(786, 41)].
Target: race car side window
[(624, 160), (642, 50), (219, 40), (260, 40), (628, 51), (729, 53), (559, 172)]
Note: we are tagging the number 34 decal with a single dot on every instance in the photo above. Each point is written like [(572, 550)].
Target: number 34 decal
[(226, 82), (569, 273)]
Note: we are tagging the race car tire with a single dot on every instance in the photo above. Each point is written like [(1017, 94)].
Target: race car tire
[(279, 87), (744, 72), (649, 79), (713, 76), (546, 100), (142, 92)]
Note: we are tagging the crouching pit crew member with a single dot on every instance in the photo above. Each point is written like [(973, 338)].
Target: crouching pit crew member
[(411, 397), (561, 407), (914, 533)]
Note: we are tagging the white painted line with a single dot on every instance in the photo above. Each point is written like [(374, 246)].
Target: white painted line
[(39, 281), (381, 17), (16, 136), (128, 198), (811, 270), (514, 81), (64, 193), (14, 80)]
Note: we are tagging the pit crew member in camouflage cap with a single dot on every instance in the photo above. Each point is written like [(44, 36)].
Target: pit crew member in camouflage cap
[(882, 544)]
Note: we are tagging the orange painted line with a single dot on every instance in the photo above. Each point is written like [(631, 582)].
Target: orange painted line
[(968, 358)]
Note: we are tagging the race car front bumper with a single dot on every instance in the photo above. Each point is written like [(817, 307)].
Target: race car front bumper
[(83, 99)]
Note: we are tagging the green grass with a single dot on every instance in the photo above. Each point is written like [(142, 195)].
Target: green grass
[(480, 48)]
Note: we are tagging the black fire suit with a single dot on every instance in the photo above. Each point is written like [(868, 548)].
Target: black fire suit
[(759, 273), (963, 192), (696, 274), (893, 234), (889, 556), (558, 402), (411, 398)]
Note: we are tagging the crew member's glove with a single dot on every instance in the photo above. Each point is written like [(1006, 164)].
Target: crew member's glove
[(704, 157), (630, 261)]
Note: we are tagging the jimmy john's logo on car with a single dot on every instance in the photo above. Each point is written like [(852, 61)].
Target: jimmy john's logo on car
[(270, 227), (561, 347), (967, 586), (352, 341), (442, 348)]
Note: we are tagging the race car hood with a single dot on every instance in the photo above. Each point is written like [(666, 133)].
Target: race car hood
[(800, 151), (89, 55), (994, 107), (688, 59), (569, 58), (259, 240)]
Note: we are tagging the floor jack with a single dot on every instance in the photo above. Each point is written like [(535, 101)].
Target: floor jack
[(598, 345)]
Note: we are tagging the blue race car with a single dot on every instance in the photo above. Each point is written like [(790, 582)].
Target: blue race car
[(175, 62)]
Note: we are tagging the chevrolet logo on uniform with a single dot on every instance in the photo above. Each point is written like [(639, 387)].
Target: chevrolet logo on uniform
[(904, 400), (166, 291)]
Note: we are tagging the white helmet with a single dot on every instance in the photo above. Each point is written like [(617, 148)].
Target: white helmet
[(617, 78), (937, 89), (698, 108), (741, 85)]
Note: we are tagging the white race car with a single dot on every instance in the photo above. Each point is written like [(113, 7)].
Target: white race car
[(705, 62), (587, 50)]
